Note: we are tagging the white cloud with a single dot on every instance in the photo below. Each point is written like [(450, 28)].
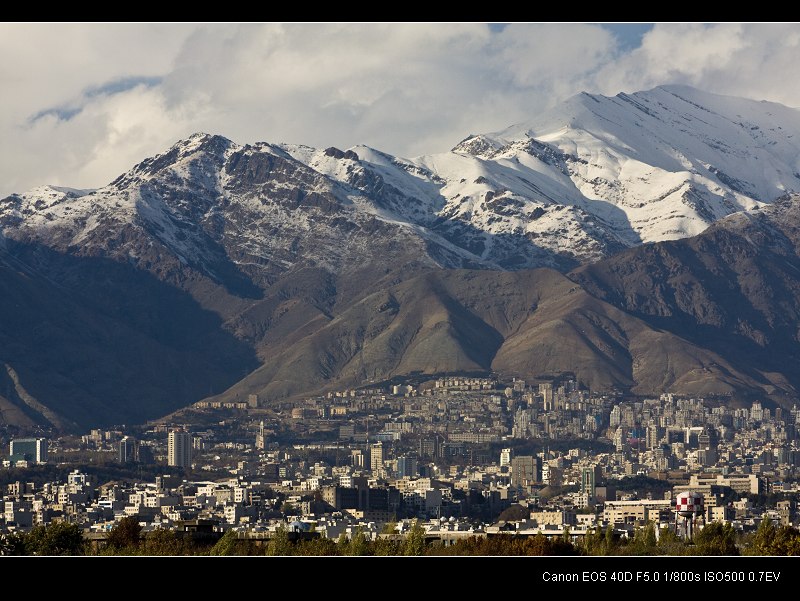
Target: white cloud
[(751, 60), (131, 90)]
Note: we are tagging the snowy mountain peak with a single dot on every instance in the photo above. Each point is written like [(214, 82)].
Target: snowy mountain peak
[(655, 165), (200, 139), (581, 181), (478, 145)]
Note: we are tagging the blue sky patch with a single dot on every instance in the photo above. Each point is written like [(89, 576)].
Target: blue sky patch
[(115, 86), (629, 35)]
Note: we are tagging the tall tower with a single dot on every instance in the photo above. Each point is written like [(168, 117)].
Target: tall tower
[(179, 451), (376, 457), (127, 449), (590, 477), (407, 466), (688, 507), (261, 439), (546, 390)]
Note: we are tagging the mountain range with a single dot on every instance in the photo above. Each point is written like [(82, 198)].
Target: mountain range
[(644, 242)]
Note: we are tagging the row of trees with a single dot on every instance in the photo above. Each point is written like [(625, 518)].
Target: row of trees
[(714, 539), (126, 538)]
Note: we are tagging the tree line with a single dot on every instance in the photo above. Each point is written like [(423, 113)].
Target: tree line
[(127, 538)]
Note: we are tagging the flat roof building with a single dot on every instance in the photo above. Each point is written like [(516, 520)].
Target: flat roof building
[(28, 449)]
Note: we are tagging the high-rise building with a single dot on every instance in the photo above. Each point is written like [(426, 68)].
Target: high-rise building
[(357, 457), (179, 451), (522, 420), (505, 457), (145, 454), (525, 470), (407, 466), (430, 447), (590, 478), (653, 436), (376, 457), (28, 449), (546, 391), (261, 437), (619, 438), (551, 475), (127, 450)]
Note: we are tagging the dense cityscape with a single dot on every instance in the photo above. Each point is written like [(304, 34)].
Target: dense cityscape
[(454, 459)]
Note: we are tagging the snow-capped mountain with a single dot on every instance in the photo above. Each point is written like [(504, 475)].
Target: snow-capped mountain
[(282, 269), (239, 215), (592, 176), (580, 182), (647, 167)]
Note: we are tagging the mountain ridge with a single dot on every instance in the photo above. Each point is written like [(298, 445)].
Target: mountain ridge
[(302, 269)]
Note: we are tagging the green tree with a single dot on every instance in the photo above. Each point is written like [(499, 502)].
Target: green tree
[(227, 545), (644, 541), (319, 546), (670, 543), (540, 545), (786, 541), (280, 545), (716, 539), (508, 545), (772, 540), (58, 538), (163, 542), (384, 546), (125, 535), (414, 544), (595, 543), (12, 543), (610, 541), (559, 547), (762, 542), (648, 536), (358, 544), (389, 528), (791, 545)]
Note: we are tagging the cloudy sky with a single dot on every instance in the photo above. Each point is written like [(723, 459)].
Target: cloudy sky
[(81, 103)]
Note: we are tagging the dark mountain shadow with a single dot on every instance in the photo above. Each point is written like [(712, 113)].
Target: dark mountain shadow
[(101, 342), (719, 290)]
